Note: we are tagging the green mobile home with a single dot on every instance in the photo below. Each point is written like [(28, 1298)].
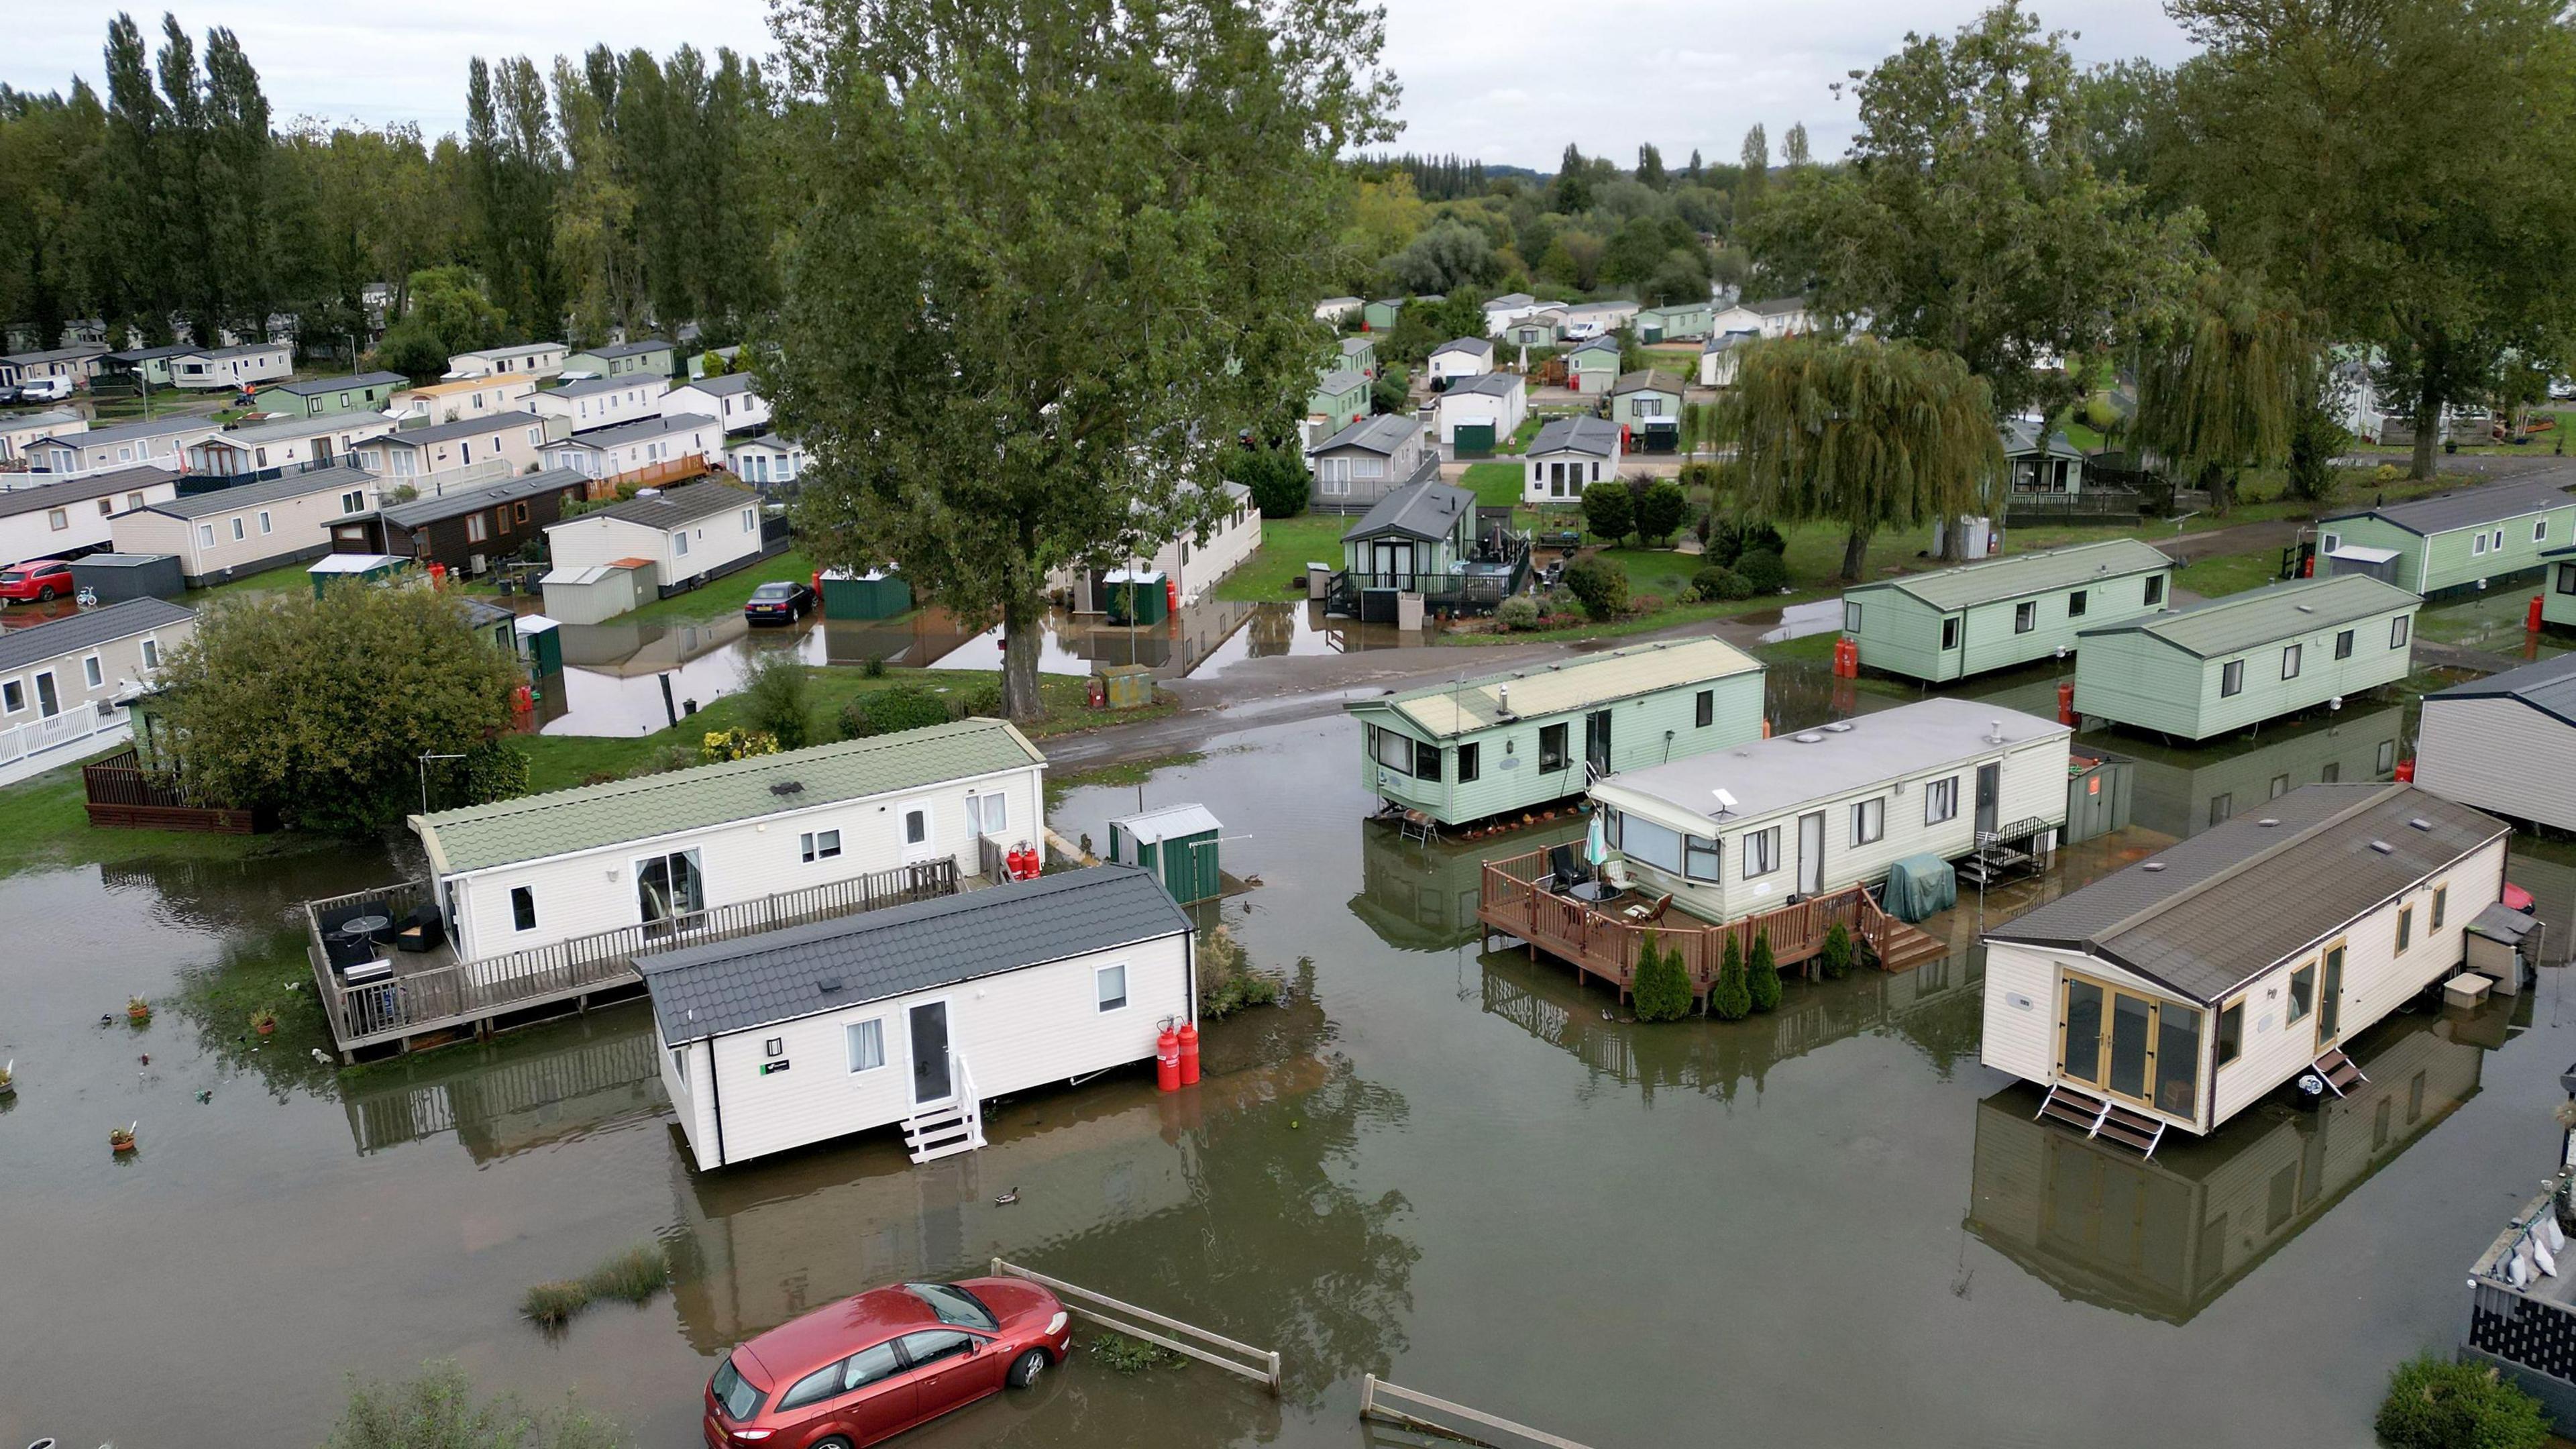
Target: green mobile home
[(1680, 322), (2558, 587), (2003, 611), (2451, 541), (1340, 398), (648, 356), (2245, 658), (1506, 742), (1649, 405), (1593, 368), (314, 397), (1380, 315), (1359, 355)]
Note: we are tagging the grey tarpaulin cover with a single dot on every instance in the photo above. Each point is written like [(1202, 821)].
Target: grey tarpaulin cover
[(1918, 885)]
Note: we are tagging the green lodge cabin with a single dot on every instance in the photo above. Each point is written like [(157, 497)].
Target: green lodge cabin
[(2451, 541), (314, 397), (2186, 988), (2005, 611), (2558, 587), (2239, 660), (1508, 742)]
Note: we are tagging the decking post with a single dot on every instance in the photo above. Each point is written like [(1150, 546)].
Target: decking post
[(1368, 1394), (1277, 1386)]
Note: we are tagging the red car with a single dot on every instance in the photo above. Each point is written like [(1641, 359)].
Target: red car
[(41, 580), (867, 1368)]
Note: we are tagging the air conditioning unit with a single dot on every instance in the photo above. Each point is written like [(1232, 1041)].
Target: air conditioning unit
[(474, 564)]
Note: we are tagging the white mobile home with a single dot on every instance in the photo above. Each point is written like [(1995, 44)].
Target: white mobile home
[(915, 1013), (1463, 357), (460, 454), (2184, 989), (645, 451), (765, 461), (602, 402), (1480, 413), (732, 399), (1194, 562), (547, 868), (160, 443), (18, 431), (244, 530), (455, 399), (527, 359), (71, 516), (2502, 743), (64, 684), (689, 534), (220, 368), (245, 452), (1836, 806), (1568, 456)]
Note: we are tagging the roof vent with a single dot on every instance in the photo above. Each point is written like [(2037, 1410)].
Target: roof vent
[(2153, 865), (2420, 823), (1808, 737), (827, 985), (2307, 608), (2383, 847), (788, 787), (2267, 822), (1839, 727)]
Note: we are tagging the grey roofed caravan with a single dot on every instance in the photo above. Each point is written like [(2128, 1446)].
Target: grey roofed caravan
[(2204, 916), (1497, 384), (267, 490), (1472, 346), (447, 432), (2014, 575), (1598, 436), (85, 629), (2548, 686), (777, 976), (466, 500), (585, 386), (2466, 508), (619, 434), (315, 386), (80, 488), (2230, 623), (674, 506), (1425, 510), (1382, 433)]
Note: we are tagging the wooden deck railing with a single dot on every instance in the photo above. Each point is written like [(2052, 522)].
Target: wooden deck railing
[(118, 792), (468, 991), (1513, 898)]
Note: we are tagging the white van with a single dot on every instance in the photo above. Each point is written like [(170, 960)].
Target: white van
[(45, 389)]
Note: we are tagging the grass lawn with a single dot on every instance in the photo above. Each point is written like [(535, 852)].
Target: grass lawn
[(557, 762), (725, 595), (1519, 441), (1287, 545), (284, 576), (1682, 363), (43, 826), (1496, 485), (1657, 570), (2230, 573)]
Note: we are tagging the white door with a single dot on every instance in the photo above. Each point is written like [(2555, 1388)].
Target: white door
[(1811, 853)]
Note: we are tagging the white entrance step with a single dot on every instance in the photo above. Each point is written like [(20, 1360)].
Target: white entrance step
[(947, 1127)]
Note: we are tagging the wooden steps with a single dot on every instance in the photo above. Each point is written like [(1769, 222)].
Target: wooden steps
[(2103, 1118), (2339, 1072), (1902, 947)]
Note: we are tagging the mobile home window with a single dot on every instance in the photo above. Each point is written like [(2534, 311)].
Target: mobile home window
[(353, 501), (2405, 928), (2231, 1033), (2231, 680), (1551, 748), (1111, 982), (2441, 903), (2075, 604), (94, 676), (13, 697), (1471, 763), (1851, 618), (523, 908), (750, 519), (2387, 756), (2330, 773), (2303, 994), (680, 543), (2398, 629), (2280, 786), (988, 814), (477, 528), (867, 1044), (205, 535), (1395, 751), (2290, 661), (1940, 800), (2025, 617), (1707, 714), (238, 530), (2155, 589), (2477, 545), (2566, 576), (151, 653), (2343, 645), (1761, 852), (2540, 530), (1700, 858), (1950, 632), (1426, 761), (264, 526), (2496, 540), (817, 845), (1641, 839), (1869, 821), (2222, 808), (916, 826)]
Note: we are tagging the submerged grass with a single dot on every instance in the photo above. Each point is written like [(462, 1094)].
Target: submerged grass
[(553, 1304), (633, 1276), (1132, 1355)]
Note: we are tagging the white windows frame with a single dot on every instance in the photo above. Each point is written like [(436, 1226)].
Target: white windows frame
[(1109, 987), (1869, 820), (814, 846), (988, 813), (864, 1044), (92, 672)]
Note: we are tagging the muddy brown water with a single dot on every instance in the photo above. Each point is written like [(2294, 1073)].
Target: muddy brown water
[(1441, 1164)]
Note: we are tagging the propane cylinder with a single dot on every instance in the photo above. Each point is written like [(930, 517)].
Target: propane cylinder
[(2066, 704), (1167, 1060), (2406, 770), (2531, 616), (1189, 1053), (1171, 595)]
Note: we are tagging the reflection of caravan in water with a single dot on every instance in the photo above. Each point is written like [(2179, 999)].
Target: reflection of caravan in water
[(1422, 897), (566, 1081), (2165, 1237)]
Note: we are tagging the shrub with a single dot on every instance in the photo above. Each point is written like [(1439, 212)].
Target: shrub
[(1698, 475), (777, 699), (1720, 583), (720, 745), (1762, 974), (553, 1304), (1132, 1355), (983, 700), (1730, 999), (438, 1409), (1730, 539), (1516, 613), (2434, 1403), (874, 668), (1276, 476), (1662, 508), (884, 711), (1645, 603), (1227, 984), (1661, 989), (1763, 570), (634, 1275), (1608, 510), (1601, 585), (1838, 955)]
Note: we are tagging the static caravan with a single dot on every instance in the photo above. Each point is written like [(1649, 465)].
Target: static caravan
[(221, 368), (690, 534), (149, 366), (1359, 354), (548, 868), (248, 453), (602, 402), (1719, 356), (1369, 459), (365, 392), (160, 443), (2000, 612), (1775, 317), (249, 529), (1593, 368), (645, 357), (2041, 466), (1678, 322), (78, 364), (2184, 989), (732, 399), (914, 1014), (462, 454), (525, 359), (2504, 743), (1568, 456), (2451, 541), (466, 528), (1462, 357), (1735, 832), (74, 516), (1337, 310), (2558, 587), (1340, 398), (1476, 414), (64, 684), (2241, 659), (20, 431), (1507, 742), (1648, 406), (650, 450), (1194, 562), (1537, 328), (767, 461), (464, 398)]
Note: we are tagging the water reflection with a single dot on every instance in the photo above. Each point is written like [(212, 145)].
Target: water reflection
[(2164, 1237), (542, 1086), (1420, 897)]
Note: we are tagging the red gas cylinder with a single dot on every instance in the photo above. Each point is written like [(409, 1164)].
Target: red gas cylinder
[(2531, 616), (2066, 704), (1172, 597), (1189, 1054), (1167, 1061), (1766, 729), (521, 701), (1095, 693), (437, 573), (2308, 567), (2406, 771)]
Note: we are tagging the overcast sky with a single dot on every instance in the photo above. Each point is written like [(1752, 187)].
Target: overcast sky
[(1503, 80)]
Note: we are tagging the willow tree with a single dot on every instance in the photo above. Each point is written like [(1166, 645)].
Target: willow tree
[(1053, 258), (1864, 433), (2221, 383)]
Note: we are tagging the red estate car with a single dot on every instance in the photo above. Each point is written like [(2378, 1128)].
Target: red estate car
[(40, 580), (867, 1368)]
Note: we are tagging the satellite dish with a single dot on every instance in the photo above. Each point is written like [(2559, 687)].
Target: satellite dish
[(1725, 801)]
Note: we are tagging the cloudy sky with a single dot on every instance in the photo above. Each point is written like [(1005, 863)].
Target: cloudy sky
[(1504, 80)]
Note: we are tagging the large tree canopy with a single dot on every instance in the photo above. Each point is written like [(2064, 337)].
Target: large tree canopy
[(1055, 254), (1861, 433)]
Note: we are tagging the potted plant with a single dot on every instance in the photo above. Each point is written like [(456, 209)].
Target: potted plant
[(8, 1079), (264, 1021), (137, 1009), (121, 1139)]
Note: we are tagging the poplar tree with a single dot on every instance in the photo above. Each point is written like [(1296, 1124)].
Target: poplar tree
[(1731, 998), (1762, 974)]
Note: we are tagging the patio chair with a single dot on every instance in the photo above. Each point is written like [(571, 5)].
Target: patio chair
[(423, 932), (1649, 913), (1565, 869)]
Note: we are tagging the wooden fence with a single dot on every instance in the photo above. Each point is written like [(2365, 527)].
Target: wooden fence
[(1381, 1400), (1261, 1365), (121, 794)]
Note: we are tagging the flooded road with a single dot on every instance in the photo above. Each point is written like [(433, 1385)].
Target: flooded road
[(1454, 1168)]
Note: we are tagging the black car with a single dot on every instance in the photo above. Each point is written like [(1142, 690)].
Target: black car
[(779, 603)]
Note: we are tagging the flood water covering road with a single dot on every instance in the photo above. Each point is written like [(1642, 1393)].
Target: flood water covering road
[(1448, 1166)]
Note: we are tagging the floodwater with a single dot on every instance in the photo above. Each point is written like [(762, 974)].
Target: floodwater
[(1451, 1167)]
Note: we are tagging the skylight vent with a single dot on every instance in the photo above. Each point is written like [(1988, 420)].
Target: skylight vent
[(2420, 823), (2383, 847), (788, 787), (2153, 865)]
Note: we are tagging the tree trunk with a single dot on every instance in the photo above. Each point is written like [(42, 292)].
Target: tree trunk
[(2426, 434), (1855, 553), (1021, 622), (1954, 539)]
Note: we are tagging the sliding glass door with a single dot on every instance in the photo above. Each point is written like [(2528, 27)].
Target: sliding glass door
[(667, 892), (2130, 1046)]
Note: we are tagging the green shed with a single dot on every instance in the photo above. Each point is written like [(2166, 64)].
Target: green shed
[(2238, 660), (2003, 611), (2464, 539), (541, 651), (333, 569), (876, 594), (1178, 844), (1137, 596), (1380, 315)]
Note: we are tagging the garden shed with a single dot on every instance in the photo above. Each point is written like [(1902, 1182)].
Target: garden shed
[(876, 594), (2244, 658), (2004, 611), (333, 569), (1177, 845), (116, 577)]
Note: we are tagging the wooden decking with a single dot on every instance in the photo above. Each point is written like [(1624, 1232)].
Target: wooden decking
[(120, 794), (1514, 901)]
